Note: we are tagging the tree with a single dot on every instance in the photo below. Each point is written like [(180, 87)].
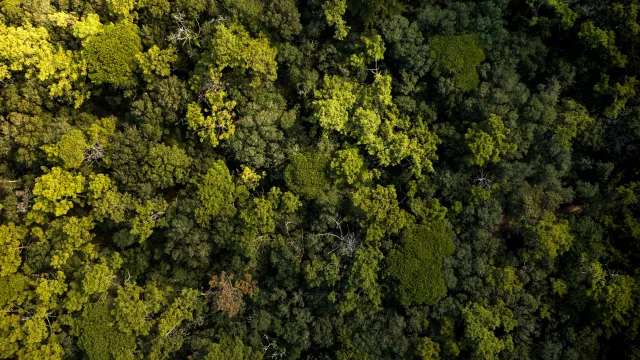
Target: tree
[(217, 126), (111, 54), (334, 11), (574, 119), (11, 237), (56, 191), (349, 167), (70, 149), (156, 62), (181, 309), (382, 215), (135, 305), (487, 141), (605, 39), (216, 192), (551, 237), (417, 264), (99, 337), (457, 56), (428, 349), (306, 175), (481, 323), (363, 293), (28, 49), (229, 293), (233, 47), (231, 348), (614, 298)]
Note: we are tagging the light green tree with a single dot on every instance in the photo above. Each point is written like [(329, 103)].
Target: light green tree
[(481, 323), (487, 141), (614, 298), (551, 237), (218, 123), (98, 279), (216, 192), (334, 11), (56, 191), (134, 306), (382, 215), (348, 167), (11, 238), (574, 118), (363, 293), (27, 49), (156, 62)]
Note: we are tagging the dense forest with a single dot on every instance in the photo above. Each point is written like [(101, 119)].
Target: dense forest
[(340, 179)]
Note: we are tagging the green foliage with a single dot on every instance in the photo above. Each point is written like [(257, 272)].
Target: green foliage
[(233, 47), (371, 11), (605, 39), (354, 179), (181, 309), (12, 238), (27, 49), (417, 264), (363, 293), (334, 11), (216, 192), (70, 149), (156, 62), (368, 114), (481, 323), (458, 57), (349, 167), (217, 126), (551, 237), (621, 93), (428, 349), (120, 8), (111, 55), (134, 305), (98, 335), (575, 119), (306, 174), (231, 348), (56, 190), (614, 298), (487, 141), (381, 212)]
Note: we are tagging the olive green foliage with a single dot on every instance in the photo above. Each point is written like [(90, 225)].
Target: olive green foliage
[(322, 179), (216, 192), (233, 46), (111, 55), (12, 238), (70, 149), (458, 57), (551, 237), (381, 212), (306, 175), (99, 336), (417, 264)]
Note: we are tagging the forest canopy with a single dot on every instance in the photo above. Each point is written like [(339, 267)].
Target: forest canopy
[(311, 179)]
